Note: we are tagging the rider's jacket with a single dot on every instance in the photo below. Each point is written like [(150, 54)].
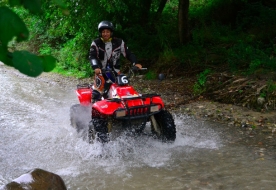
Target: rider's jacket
[(103, 54)]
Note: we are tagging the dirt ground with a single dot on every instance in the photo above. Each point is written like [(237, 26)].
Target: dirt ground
[(255, 128)]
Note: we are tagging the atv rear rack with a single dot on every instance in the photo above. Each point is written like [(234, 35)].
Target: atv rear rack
[(84, 86)]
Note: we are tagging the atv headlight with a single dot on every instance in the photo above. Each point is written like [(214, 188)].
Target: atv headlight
[(120, 113), (154, 108)]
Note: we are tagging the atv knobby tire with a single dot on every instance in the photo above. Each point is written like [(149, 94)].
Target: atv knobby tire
[(163, 126), (98, 130), (91, 132)]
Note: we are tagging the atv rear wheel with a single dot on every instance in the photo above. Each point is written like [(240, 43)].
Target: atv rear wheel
[(98, 130), (163, 126)]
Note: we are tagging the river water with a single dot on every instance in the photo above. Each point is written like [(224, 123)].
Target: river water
[(36, 133)]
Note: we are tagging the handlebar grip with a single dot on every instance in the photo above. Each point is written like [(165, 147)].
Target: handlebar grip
[(134, 68)]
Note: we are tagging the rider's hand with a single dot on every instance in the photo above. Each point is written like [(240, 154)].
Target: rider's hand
[(97, 71), (139, 66), (136, 67)]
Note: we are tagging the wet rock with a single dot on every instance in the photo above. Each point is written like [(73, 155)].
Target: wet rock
[(36, 179), (261, 100), (231, 123)]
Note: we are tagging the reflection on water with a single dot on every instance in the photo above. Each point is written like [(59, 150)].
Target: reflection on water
[(35, 133)]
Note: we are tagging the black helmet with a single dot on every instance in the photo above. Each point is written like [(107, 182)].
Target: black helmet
[(105, 25)]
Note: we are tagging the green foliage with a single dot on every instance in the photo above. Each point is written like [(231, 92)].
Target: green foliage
[(269, 90), (63, 35), (45, 49), (11, 25), (235, 32), (199, 87), (202, 77), (244, 56), (257, 19), (263, 94), (73, 57), (69, 37), (32, 65), (150, 75), (34, 6), (145, 45), (49, 63), (271, 86)]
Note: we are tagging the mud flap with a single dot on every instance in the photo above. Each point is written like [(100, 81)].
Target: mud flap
[(155, 125)]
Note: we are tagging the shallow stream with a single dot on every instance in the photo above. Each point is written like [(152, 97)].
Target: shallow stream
[(36, 133)]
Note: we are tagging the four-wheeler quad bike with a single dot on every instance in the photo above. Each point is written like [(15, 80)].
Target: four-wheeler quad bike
[(123, 107)]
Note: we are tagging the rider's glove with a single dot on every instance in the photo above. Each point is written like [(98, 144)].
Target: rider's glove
[(134, 68), (139, 66)]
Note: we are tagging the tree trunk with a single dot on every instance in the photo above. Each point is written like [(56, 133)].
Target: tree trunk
[(146, 5), (160, 8), (183, 21)]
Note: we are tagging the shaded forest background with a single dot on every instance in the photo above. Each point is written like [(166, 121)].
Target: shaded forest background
[(177, 37)]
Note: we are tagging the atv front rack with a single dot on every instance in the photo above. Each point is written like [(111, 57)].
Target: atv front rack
[(137, 112), (143, 97)]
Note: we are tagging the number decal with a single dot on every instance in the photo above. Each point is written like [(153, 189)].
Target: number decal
[(124, 79)]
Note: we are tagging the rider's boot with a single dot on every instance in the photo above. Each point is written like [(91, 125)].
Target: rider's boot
[(96, 96), (106, 89)]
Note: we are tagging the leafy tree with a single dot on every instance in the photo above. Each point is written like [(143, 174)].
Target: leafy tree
[(163, 34)]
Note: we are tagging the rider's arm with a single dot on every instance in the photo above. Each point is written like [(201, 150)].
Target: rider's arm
[(127, 53), (93, 56)]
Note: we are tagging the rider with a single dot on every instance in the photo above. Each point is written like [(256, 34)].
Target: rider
[(105, 53)]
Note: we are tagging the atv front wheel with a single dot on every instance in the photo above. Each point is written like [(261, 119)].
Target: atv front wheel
[(98, 130), (91, 132), (163, 126)]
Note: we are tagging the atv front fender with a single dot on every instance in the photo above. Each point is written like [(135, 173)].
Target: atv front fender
[(156, 100)]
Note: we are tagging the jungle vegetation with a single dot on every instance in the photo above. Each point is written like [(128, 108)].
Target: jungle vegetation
[(178, 37)]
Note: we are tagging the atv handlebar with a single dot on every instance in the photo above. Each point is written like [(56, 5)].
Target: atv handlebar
[(133, 70), (110, 73)]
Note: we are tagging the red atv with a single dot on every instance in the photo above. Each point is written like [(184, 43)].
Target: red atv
[(122, 107)]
